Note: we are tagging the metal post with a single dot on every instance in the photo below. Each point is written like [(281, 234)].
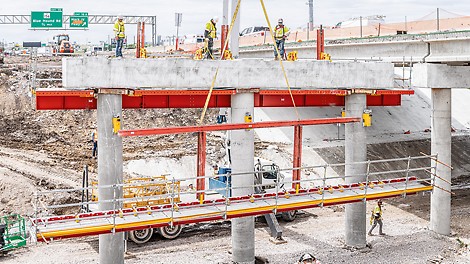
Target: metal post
[(297, 158), (355, 151), (437, 19), (242, 151), (441, 138), (224, 31), (111, 246), (407, 175), (310, 11), (320, 42), (137, 46), (154, 31), (201, 165), (361, 24)]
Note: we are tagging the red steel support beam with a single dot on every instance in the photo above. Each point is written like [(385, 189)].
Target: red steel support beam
[(223, 127), (201, 165), (297, 157)]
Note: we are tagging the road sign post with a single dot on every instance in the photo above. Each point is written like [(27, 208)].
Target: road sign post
[(178, 19)]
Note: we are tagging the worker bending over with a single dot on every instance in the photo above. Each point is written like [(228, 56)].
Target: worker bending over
[(376, 218), (281, 32), (308, 258), (210, 33), (119, 35)]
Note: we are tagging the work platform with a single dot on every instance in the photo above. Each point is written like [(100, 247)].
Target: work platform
[(106, 222)]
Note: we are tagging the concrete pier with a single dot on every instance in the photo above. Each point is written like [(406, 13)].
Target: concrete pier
[(355, 151), (242, 152), (111, 247), (441, 145)]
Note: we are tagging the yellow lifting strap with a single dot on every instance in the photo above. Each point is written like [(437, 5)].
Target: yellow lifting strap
[(206, 104), (279, 56)]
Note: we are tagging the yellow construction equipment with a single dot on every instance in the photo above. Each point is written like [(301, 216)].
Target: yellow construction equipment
[(143, 53), (367, 118), (325, 56), (292, 56), (141, 192), (199, 54), (228, 55)]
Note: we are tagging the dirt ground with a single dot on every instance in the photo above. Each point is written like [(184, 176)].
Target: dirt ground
[(45, 150)]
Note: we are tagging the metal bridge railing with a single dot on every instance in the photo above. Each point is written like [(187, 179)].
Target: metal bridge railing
[(404, 168)]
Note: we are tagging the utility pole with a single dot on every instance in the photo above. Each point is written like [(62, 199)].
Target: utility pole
[(178, 19), (437, 19), (223, 35), (310, 9), (406, 25), (360, 18), (235, 35)]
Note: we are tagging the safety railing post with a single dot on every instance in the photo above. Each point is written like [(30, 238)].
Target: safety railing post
[(227, 195), (277, 193), (172, 198), (114, 208), (407, 175), (367, 181), (324, 185), (434, 171)]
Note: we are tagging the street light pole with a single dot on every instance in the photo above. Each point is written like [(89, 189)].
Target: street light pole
[(178, 19)]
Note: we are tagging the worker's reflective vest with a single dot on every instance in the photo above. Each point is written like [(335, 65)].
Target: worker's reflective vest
[(119, 29), (280, 31), (377, 212), (211, 30)]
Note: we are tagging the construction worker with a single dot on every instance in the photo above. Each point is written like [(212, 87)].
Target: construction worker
[(281, 32), (308, 258), (376, 218), (210, 33), (216, 171), (94, 140), (120, 35)]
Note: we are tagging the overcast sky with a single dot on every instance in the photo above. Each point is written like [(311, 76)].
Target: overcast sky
[(197, 12)]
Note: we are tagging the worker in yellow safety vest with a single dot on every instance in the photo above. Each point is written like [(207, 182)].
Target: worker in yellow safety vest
[(210, 33), (94, 140), (119, 33), (376, 218), (281, 32)]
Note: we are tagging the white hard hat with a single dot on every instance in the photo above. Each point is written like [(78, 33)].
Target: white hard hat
[(280, 20), (215, 19), (306, 256), (120, 17)]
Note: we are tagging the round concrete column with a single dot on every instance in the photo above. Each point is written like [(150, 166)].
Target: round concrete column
[(441, 145), (355, 149), (111, 247), (242, 152), (234, 36)]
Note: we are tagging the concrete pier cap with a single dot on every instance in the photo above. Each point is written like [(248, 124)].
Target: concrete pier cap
[(99, 72), (427, 75)]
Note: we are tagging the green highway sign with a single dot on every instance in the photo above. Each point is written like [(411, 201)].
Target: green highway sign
[(79, 21), (80, 14), (56, 9), (47, 19)]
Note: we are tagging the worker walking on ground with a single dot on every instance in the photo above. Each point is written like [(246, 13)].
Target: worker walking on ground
[(210, 33), (281, 32), (94, 140), (376, 218), (119, 33)]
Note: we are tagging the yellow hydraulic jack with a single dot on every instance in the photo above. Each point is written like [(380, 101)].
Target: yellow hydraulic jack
[(199, 54), (292, 56), (143, 53)]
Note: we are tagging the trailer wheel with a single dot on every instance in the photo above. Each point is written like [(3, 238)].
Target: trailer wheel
[(289, 216), (141, 236), (169, 232)]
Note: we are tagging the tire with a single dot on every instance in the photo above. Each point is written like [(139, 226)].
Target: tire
[(141, 236), (170, 232), (289, 216)]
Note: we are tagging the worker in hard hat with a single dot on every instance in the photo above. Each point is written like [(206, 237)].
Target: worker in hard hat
[(94, 140), (210, 33), (308, 258), (376, 218), (281, 32), (119, 33)]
